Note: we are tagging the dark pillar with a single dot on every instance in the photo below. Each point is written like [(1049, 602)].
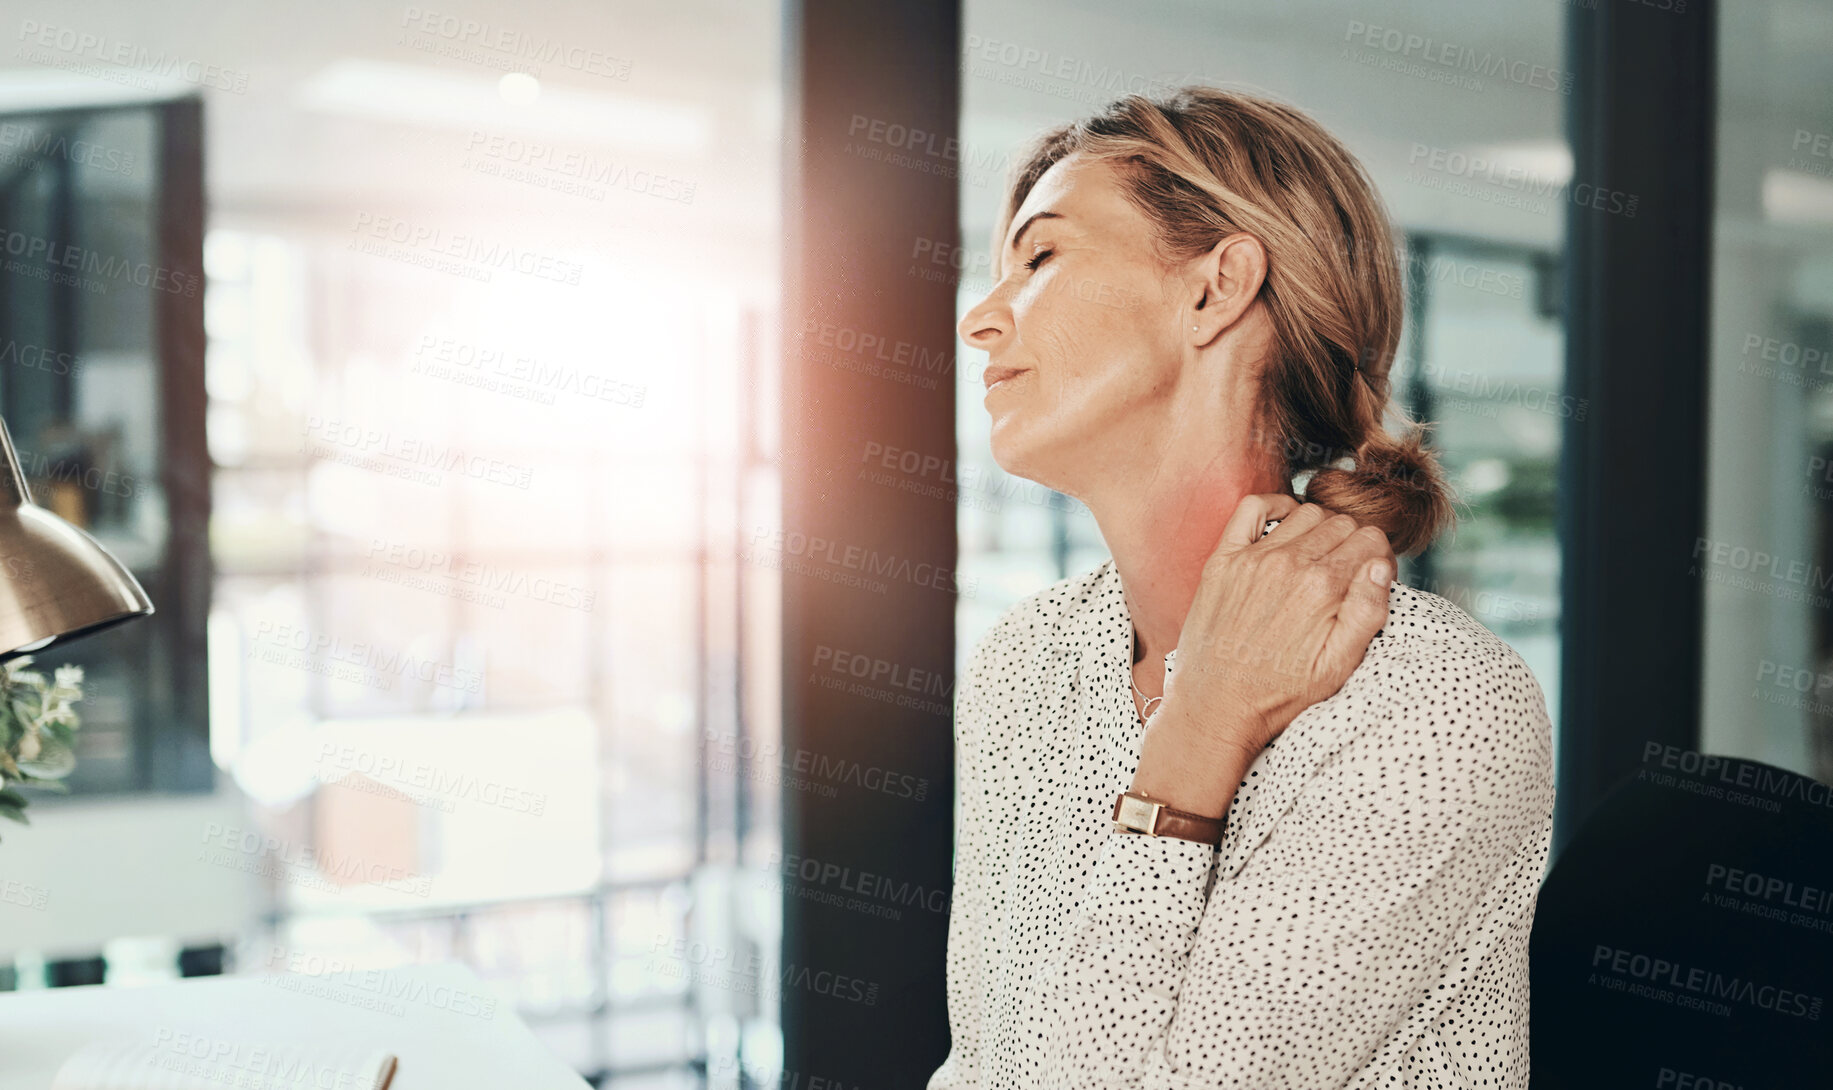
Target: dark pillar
[(867, 368), (1639, 213)]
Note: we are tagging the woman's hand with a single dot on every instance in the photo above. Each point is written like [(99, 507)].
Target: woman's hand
[(1278, 623)]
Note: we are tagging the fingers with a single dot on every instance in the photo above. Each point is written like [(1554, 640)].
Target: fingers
[(1363, 613), (1365, 562), (1253, 513), (1350, 561), (1322, 539), (1353, 555), (1298, 518)]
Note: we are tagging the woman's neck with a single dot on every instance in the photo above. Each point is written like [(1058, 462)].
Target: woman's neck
[(1160, 567), (1161, 535)]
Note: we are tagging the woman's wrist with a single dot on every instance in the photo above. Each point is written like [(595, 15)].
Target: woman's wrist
[(1193, 766)]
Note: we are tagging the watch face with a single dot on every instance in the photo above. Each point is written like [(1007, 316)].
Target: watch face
[(1138, 813)]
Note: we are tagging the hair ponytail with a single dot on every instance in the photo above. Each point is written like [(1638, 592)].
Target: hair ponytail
[(1396, 483)]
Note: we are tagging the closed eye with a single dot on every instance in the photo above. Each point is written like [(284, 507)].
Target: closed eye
[(1038, 260)]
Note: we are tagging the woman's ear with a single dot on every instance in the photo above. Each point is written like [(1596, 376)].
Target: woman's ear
[(1228, 280)]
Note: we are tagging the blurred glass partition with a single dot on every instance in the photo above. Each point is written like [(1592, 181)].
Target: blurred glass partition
[(1483, 359), (1767, 554), (102, 277)]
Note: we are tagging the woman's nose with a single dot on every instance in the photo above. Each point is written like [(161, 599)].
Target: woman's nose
[(983, 325)]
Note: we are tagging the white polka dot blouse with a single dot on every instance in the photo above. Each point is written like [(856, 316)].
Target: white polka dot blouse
[(1364, 922)]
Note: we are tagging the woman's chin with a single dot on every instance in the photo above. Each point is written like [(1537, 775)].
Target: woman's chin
[(1007, 445), (1016, 453)]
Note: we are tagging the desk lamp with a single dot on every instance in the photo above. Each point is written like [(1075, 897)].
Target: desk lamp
[(57, 583)]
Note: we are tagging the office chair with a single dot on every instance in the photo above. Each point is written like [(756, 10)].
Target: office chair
[(1684, 938)]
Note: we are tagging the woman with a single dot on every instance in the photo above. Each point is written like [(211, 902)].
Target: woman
[(1197, 301)]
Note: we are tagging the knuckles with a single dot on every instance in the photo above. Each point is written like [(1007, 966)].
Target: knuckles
[(1276, 563), (1320, 580)]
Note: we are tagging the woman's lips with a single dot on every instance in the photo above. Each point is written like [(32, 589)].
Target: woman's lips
[(993, 376)]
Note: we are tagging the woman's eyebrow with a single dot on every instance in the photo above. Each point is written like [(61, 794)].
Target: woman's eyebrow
[(1034, 218)]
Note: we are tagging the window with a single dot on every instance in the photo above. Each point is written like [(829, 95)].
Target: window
[(1767, 689)]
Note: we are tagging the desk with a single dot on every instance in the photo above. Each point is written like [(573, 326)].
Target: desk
[(449, 1031)]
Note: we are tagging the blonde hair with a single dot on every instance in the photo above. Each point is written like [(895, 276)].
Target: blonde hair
[(1203, 163)]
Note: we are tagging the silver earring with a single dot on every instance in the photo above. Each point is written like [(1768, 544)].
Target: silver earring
[(1193, 329)]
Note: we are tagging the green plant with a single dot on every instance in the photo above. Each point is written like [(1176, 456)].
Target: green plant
[(37, 725)]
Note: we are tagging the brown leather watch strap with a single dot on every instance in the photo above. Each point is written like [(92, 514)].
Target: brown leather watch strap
[(1143, 814)]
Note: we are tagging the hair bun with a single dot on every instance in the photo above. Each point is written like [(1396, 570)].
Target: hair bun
[(1397, 484)]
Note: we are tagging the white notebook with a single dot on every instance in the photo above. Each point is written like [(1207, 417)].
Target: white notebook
[(174, 1061)]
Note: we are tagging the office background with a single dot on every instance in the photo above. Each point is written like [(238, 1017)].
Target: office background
[(457, 382)]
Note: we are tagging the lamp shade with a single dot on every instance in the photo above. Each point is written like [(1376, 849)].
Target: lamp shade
[(56, 582)]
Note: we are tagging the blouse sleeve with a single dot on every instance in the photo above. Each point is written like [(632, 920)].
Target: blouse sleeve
[(1414, 847)]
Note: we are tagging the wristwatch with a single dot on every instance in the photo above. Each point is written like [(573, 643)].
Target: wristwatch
[(1137, 812)]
